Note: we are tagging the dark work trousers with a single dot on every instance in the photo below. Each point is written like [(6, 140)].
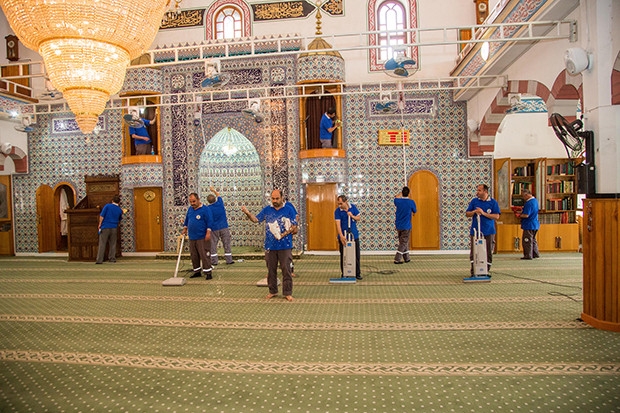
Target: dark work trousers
[(106, 236), (199, 252), (530, 245), (224, 235), (490, 247), (402, 253), (357, 257), (284, 257)]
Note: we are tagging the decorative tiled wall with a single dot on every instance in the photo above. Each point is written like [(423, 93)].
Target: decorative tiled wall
[(62, 157), (370, 174), (321, 67), (275, 141), (377, 173)]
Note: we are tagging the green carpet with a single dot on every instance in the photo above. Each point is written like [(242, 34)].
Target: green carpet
[(77, 337)]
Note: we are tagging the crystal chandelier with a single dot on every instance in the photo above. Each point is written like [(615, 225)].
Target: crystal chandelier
[(86, 45)]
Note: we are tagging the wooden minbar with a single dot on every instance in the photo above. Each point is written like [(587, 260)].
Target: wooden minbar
[(83, 219)]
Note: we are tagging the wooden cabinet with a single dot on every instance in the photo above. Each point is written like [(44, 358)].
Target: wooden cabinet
[(508, 238), (558, 237), (553, 183)]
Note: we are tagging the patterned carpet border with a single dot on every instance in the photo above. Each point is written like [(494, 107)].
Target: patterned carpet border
[(297, 282), (332, 369), (343, 301), (530, 325)]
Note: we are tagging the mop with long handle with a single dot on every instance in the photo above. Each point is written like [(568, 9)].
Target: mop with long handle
[(176, 281)]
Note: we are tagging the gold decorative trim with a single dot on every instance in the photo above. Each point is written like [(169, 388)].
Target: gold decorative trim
[(185, 18)]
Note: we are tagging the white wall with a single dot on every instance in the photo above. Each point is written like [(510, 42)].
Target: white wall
[(526, 135), (15, 138), (435, 61)]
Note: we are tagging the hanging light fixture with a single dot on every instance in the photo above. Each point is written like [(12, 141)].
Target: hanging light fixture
[(229, 148), (86, 45)]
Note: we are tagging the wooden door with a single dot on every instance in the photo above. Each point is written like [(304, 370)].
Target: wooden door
[(424, 188), (147, 219), (46, 219), (6, 216), (320, 206)]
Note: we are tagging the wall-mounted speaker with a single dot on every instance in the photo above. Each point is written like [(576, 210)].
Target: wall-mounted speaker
[(577, 60)]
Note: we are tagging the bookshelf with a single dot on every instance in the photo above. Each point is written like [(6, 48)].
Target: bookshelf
[(554, 184)]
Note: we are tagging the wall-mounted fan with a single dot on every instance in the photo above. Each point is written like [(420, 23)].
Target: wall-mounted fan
[(253, 111), (577, 144), (27, 125), (132, 119), (51, 93), (568, 133), (213, 77), (400, 65), (387, 105)]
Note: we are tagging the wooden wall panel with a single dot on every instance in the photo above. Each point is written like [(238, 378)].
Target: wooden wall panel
[(601, 275)]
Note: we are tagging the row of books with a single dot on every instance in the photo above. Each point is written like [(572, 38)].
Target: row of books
[(566, 217), (518, 187), (560, 204), (561, 169), (564, 187), (527, 170)]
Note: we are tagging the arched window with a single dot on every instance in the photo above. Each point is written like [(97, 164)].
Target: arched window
[(391, 18), (228, 19), (228, 23)]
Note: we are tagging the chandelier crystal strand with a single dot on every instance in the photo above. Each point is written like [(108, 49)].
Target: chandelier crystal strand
[(86, 45)]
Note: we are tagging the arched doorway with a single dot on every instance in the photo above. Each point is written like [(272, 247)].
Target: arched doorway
[(52, 228), (64, 198), (425, 231)]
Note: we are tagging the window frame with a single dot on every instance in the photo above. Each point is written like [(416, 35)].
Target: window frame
[(410, 22), (235, 14), (213, 10)]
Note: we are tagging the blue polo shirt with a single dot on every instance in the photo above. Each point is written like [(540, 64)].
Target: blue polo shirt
[(112, 215), (218, 212), (326, 123), (141, 131), (340, 215), (531, 210), (197, 222), (487, 225), (404, 208), (271, 215)]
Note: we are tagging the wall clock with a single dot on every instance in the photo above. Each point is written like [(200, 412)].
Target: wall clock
[(12, 47), (149, 196), (482, 10)]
